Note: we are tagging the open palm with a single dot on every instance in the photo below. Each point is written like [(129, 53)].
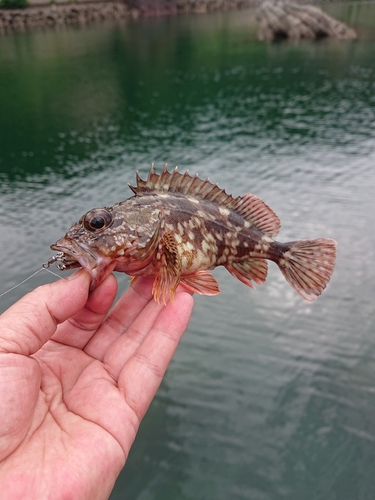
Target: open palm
[(76, 383)]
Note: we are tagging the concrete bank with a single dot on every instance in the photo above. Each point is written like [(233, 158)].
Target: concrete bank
[(88, 12)]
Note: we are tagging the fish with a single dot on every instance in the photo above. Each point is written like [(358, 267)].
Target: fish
[(177, 228)]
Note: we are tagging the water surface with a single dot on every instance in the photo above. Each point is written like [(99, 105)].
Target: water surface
[(268, 397)]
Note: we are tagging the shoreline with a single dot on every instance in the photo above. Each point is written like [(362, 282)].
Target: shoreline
[(84, 13)]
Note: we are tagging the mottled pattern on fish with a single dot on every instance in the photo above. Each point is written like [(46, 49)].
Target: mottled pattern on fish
[(177, 227)]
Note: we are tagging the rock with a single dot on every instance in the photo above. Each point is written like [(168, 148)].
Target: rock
[(282, 19)]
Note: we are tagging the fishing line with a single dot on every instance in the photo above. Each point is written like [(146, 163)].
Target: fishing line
[(22, 282), (44, 267), (49, 271)]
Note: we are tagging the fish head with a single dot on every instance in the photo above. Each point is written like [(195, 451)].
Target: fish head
[(97, 243)]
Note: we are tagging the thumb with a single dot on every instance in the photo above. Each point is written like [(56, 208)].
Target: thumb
[(29, 323)]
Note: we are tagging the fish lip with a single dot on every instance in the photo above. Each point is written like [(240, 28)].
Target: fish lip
[(76, 254)]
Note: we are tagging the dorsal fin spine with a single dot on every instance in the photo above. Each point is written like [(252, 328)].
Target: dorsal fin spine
[(215, 188), (151, 172), (176, 185), (164, 176), (190, 182), (206, 188)]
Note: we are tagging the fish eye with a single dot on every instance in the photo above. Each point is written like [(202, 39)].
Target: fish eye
[(97, 219)]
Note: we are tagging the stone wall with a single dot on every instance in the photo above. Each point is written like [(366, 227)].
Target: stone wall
[(59, 12), (53, 15), (152, 7), (84, 12)]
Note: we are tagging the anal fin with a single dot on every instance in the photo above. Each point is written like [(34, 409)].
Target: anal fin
[(249, 270), (201, 282)]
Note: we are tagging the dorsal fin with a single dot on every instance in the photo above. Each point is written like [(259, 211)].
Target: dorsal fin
[(249, 206)]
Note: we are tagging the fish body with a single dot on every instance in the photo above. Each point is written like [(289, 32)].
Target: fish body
[(176, 228)]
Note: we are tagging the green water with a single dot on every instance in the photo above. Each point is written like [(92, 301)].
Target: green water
[(268, 397)]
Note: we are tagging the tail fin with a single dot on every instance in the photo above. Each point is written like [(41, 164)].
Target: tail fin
[(307, 265)]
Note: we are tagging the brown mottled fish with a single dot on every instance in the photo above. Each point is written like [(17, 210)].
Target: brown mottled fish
[(177, 227)]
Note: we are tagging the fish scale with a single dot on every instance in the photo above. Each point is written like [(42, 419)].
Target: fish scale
[(178, 227)]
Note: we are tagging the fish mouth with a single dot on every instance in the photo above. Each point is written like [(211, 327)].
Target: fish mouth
[(75, 255), (80, 255)]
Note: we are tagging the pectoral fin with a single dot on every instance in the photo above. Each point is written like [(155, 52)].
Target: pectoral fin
[(169, 274), (250, 269), (201, 282)]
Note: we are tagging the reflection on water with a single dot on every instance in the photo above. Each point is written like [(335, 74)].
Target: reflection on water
[(268, 397)]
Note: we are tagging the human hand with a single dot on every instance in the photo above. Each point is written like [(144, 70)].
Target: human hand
[(75, 384)]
